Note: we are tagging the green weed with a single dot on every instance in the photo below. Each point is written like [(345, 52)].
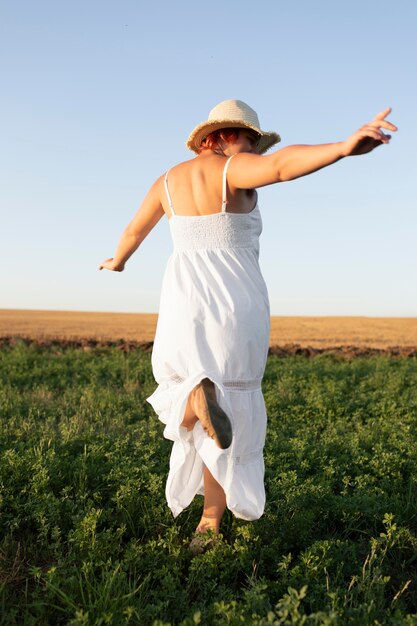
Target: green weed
[(87, 538)]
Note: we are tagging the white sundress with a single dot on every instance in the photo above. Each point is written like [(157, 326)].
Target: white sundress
[(214, 323)]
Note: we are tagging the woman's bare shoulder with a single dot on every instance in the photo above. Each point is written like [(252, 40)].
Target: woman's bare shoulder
[(200, 163)]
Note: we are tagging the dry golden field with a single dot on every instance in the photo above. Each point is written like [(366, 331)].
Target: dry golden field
[(316, 332)]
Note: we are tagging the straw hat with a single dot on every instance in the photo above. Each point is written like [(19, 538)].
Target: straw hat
[(232, 114)]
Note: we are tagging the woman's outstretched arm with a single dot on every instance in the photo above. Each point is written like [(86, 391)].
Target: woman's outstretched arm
[(249, 171), (147, 216)]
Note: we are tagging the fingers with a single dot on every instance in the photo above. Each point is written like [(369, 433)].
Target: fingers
[(109, 264), (374, 133), (370, 135), (384, 124), (383, 114), (103, 265), (379, 120), (373, 128)]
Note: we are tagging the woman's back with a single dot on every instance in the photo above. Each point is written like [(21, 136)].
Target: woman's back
[(195, 188)]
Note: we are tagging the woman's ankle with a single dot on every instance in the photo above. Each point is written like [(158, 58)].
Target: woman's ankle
[(208, 523)]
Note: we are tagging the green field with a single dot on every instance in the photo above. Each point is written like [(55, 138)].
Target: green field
[(87, 538)]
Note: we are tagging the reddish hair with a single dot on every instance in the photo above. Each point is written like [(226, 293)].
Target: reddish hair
[(226, 134)]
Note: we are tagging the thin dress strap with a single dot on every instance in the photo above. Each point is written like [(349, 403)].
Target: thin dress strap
[(224, 195), (167, 192)]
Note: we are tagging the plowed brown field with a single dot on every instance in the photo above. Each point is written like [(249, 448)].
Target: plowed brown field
[(314, 332)]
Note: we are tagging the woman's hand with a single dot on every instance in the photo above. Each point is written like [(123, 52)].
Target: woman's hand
[(109, 264), (369, 136)]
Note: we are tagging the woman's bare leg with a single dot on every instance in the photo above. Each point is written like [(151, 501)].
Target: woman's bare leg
[(214, 504), (190, 418), (214, 496)]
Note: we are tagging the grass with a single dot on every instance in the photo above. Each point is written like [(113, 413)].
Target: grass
[(87, 538)]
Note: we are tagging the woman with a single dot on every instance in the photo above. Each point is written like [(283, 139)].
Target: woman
[(212, 336)]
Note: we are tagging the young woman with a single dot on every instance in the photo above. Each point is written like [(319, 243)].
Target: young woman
[(212, 336)]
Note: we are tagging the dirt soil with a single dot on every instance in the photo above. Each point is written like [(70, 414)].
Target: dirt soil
[(289, 335)]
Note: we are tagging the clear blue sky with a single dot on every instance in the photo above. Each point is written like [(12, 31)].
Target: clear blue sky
[(98, 98)]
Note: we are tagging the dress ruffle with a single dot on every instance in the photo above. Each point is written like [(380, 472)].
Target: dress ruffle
[(239, 469)]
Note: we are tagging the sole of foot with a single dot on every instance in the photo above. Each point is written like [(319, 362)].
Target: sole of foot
[(212, 417)]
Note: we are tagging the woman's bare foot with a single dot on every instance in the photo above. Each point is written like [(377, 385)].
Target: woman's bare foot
[(214, 507), (208, 522), (212, 417), (201, 542)]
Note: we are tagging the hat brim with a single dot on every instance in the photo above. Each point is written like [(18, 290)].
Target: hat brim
[(200, 132)]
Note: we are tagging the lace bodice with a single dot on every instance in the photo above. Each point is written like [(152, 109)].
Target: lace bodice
[(219, 230)]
